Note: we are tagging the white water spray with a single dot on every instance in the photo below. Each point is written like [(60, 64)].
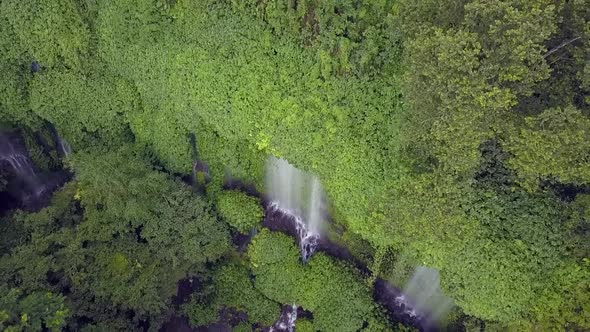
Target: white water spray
[(286, 322), (423, 295), (292, 318), (64, 146), (19, 162), (17, 159), (21, 165), (300, 195)]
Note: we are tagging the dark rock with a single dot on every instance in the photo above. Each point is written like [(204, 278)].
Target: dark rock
[(35, 67)]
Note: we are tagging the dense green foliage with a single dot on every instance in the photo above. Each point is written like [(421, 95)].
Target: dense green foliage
[(452, 134), (324, 286), (31, 312), (489, 143), (241, 211), (118, 238), (232, 288)]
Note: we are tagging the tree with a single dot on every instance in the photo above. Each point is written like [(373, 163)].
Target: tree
[(42, 34), (553, 145), (230, 286), (89, 111), (439, 129), (324, 286), (50, 32), (118, 239), (36, 311), (462, 82)]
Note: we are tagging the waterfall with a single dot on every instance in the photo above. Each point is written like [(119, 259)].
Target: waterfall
[(27, 188), (64, 147), (292, 318), (19, 161), (14, 157), (21, 165), (286, 323), (423, 296), (300, 195)]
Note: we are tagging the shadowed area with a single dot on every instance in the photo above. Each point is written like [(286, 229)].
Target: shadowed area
[(27, 187)]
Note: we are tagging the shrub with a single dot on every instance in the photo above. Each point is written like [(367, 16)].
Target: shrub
[(199, 314), (324, 286), (241, 211)]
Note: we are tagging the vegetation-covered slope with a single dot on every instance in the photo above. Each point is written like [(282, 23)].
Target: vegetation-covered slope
[(452, 134)]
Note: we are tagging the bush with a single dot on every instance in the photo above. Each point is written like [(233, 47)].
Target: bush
[(243, 327), (200, 314), (304, 325), (241, 211), (235, 289), (324, 286), (231, 288), (32, 312)]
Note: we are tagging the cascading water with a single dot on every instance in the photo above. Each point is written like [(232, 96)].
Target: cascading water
[(27, 187), (286, 323), (64, 147), (297, 207), (423, 296), (300, 195), (20, 164), (292, 318)]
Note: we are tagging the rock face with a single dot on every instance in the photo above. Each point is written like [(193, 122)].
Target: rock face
[(26, 187)]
